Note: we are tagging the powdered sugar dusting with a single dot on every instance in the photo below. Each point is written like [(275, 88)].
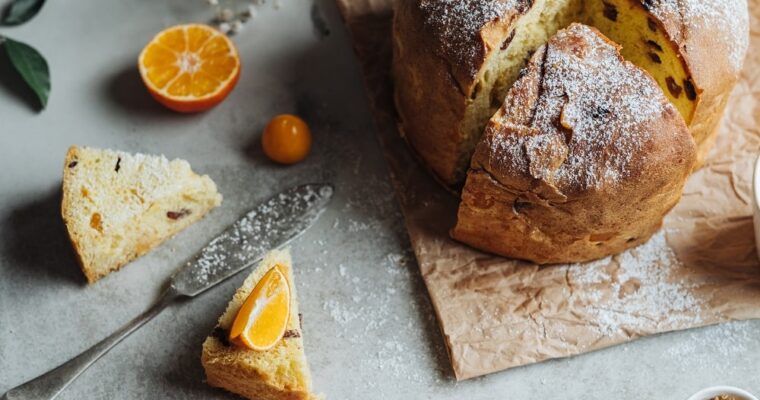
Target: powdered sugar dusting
[(268, 226), (457, 24), (136, 181), (698, 15), (358, 313), (592, 119), (731, 15), (643, 298), (717, 348)]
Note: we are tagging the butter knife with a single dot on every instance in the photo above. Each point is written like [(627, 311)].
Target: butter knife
[(271, 224)]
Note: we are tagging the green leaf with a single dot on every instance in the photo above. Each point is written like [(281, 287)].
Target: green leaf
[(20, 11), (31, 66)]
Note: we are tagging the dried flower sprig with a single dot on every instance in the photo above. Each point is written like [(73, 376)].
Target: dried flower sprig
[(231, 19)]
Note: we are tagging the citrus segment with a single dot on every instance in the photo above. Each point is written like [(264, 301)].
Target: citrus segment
[(190, 68), (261, 321)]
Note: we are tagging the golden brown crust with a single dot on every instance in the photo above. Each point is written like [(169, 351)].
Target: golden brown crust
[(71, 156), (224, 369), (584, 159), (465, 42), (713, 38), (435, 78)]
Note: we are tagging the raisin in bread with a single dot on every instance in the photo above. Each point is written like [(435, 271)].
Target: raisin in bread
[(583, 160), (455, 60), (118, 206), (275, 374)]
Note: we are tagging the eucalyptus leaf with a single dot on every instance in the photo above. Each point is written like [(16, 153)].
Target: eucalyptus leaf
[(20, 11), (31, 66)]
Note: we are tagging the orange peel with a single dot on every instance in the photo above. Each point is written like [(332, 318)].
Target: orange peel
[(262, 319)]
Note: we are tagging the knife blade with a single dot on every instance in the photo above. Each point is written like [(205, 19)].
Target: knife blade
[(272, 224)]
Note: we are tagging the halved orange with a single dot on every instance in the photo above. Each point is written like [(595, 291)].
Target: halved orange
[(190, 68), (264, 315)]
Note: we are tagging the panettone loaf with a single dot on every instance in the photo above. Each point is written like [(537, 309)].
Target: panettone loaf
[(455, 60), (583, 160)]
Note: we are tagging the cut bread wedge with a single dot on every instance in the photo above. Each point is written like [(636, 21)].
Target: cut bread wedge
[(278, 373), (118, 206)]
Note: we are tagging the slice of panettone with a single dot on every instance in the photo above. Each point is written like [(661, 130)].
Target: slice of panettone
[(118, 206), (278, 373)]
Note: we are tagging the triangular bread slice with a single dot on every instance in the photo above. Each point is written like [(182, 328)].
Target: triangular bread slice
[(118, 206), (275, 374)]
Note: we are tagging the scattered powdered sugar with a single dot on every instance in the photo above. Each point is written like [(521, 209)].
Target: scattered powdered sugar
[(591, 120), (457, 24), (360, 310), (643, 295), (717, 348), (136, 181), (268, 226)]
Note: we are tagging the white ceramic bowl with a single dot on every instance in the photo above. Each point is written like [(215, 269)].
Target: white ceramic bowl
[(709, 393), (756, 204)]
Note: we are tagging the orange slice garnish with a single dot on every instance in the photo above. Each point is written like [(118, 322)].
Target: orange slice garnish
[(264, 315), (190, 68)]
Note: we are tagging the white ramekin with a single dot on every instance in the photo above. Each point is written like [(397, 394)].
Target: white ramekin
[(756, 204), (709, 393)]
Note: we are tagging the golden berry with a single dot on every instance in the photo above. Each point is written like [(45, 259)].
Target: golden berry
[(286, 139)]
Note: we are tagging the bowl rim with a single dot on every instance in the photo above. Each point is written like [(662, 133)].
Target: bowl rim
[(708, 393)]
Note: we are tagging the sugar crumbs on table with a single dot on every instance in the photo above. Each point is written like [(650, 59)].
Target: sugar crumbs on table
[(716, 348), (370, 311)]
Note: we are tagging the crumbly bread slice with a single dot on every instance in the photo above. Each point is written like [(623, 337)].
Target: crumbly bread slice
[(276, 374), (118, 206)]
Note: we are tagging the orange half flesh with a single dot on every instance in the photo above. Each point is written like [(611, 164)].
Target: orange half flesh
[(264, 315), (190, 68)]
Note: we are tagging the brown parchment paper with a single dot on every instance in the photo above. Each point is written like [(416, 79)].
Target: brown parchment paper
[(495, 313)]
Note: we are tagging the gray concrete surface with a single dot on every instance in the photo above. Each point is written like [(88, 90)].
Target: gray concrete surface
[(369, 329)]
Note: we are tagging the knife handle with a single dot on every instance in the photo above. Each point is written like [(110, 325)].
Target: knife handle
[(50, 384)]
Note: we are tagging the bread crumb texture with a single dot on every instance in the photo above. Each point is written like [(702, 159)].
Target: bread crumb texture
[(118, 206)]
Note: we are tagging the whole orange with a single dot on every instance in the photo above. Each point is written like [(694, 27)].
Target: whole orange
[(286, 139)]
